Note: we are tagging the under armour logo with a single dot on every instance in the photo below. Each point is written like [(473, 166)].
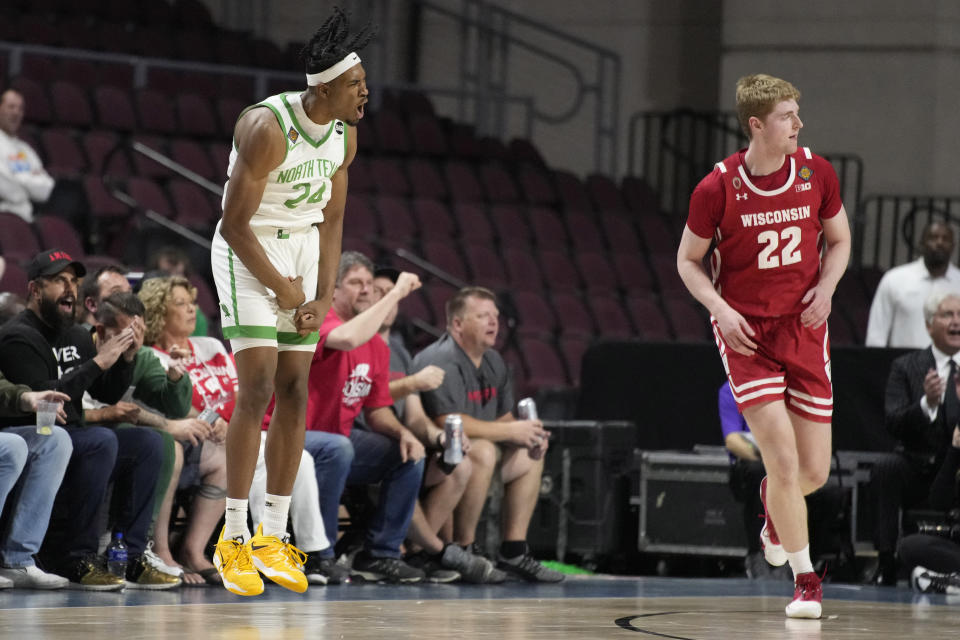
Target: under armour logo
[(741, 196)]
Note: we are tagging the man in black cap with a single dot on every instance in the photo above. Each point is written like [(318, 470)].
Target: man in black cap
[(42, 348)]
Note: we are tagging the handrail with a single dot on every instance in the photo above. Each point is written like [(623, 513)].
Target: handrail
[(887, 226), (109, 182), (176, 227), (678, 148), (141, 65), (487, 39), (429, 267), (175, 166)]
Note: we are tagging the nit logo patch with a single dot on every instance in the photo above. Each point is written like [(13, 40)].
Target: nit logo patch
[(805, 172), (293, 135), (338, 127)]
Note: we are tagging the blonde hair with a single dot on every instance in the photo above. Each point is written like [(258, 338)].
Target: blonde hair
[(156, 294), (758, 94)]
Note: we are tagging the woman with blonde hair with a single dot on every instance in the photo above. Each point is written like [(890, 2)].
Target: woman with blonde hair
[(170, 317)]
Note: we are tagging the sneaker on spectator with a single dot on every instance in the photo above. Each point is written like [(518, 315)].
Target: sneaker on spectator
[(159, 564), (142, 573), (926, 581), (234, 563), (320, 570), (527, 568), (430, 564), (386, 569), (807, 597), (773, 551), (279, 560), (32, 578), (89, 575), (472, 567)]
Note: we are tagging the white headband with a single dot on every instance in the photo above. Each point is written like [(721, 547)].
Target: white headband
[(313, 79)]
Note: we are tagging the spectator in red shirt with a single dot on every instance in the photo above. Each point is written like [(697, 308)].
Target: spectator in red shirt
[(349, 374)]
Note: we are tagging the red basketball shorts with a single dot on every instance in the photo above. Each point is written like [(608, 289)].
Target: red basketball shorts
[(791, 363)]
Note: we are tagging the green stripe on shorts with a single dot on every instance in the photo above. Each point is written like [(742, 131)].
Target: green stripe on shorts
[(233, 289), (292, 337), (249, 331)]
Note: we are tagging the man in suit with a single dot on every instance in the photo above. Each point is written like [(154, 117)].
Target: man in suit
[(921, 410)]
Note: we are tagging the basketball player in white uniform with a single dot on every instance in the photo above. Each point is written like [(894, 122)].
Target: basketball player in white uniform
[(274, 256)]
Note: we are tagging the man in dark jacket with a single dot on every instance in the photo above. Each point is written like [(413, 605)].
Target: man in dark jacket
[(921, 409), (43, 349)]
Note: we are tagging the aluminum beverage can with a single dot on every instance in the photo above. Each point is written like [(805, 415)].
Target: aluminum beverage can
[(527, 409), (453, 431)]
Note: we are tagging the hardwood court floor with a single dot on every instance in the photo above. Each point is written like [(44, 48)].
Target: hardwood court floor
[(581, 608)]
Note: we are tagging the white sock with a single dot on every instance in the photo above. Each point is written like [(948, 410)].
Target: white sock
[(800, 561), (236, 520), (275, 515)]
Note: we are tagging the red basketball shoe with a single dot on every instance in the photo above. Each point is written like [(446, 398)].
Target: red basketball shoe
[(807, 597), (773, 551)]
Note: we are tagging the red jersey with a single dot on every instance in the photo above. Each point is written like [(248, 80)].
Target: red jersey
[(342, 383), (767, 230), (212, 372)]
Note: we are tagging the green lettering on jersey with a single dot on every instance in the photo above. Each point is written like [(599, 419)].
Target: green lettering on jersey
[(293, 202)]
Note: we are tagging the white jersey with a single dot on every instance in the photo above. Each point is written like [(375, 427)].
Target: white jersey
[(298, 189)]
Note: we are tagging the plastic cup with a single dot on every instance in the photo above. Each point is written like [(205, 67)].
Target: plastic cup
[(46, 417)]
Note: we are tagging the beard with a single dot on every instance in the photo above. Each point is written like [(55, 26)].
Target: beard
[(936, 259), (51, 314)]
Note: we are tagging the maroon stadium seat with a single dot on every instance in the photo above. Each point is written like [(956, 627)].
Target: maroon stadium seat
[(57, 232), (17, 240)]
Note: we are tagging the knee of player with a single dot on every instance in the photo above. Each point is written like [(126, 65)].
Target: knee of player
[(255, 394), (816, 477), (291, 391)]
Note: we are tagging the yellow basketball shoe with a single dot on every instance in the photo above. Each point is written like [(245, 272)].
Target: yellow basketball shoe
[(234, 563), (279, 560)]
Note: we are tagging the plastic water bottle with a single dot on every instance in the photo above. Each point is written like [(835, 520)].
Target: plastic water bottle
[(117, 556)]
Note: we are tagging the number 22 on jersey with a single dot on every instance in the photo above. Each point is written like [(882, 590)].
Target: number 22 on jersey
[(780, 248)]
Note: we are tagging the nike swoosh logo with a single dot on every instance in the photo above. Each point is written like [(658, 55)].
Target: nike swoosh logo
[(257, 548)]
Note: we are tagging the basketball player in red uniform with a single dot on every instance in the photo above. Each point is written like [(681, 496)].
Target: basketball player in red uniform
[(771, 210)]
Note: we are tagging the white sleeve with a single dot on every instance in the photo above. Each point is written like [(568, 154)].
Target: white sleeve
[(10, 188), (37, 181), (881, 315)]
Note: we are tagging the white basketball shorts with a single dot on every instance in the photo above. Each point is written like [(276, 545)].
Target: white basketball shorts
[(249, 314)]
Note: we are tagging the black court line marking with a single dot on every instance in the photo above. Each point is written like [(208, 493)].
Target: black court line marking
[(626, 622)]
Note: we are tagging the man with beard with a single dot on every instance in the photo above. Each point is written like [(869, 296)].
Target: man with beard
[(896, 314), (42, 349)]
